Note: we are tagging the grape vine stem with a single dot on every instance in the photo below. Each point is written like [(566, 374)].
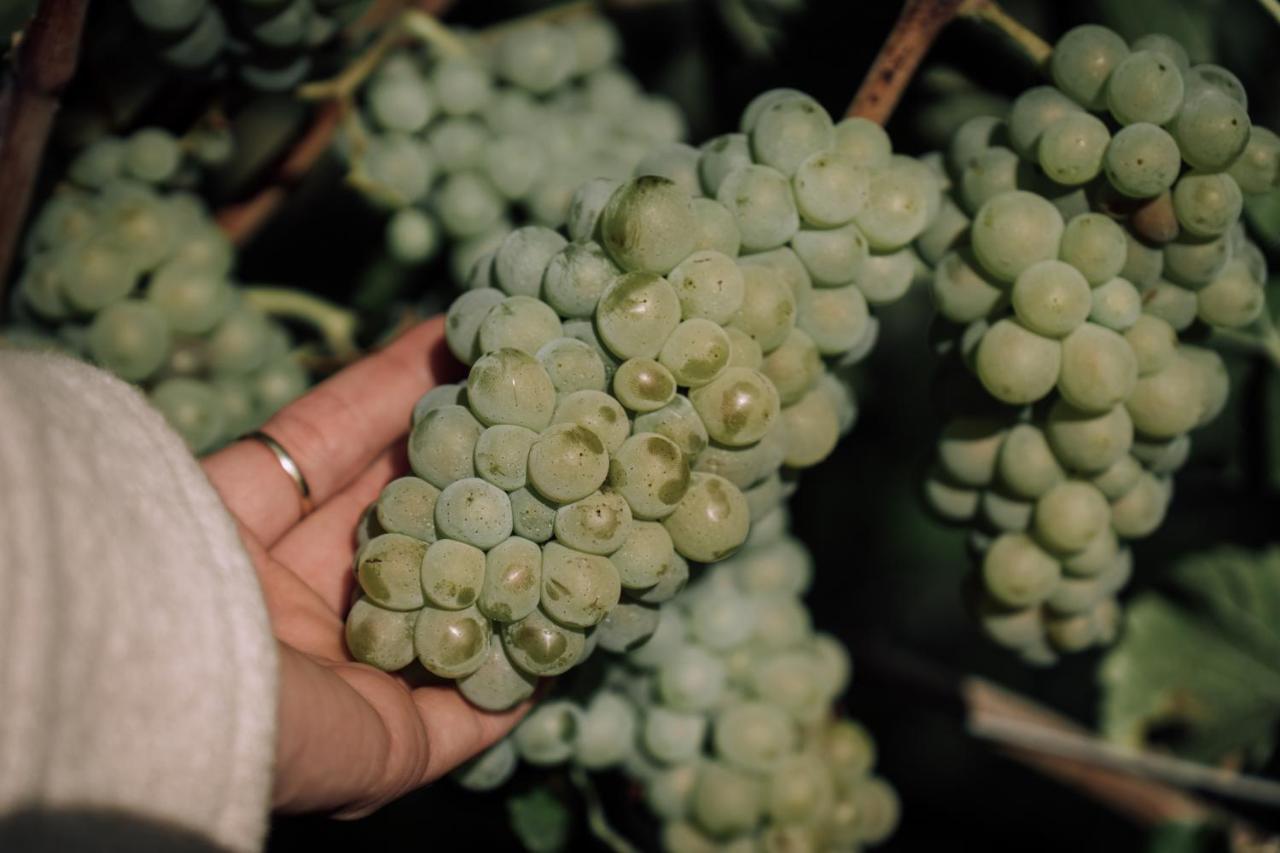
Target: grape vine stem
[(335, 325), (1264, 342), (597, 820), (46, 61), (1272, 7)]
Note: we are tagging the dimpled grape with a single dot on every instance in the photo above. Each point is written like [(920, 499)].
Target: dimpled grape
[(1142, 160), (596, 411), (636, 314), (442, 445), (1032, 112), (1117, 305), (512, 580), (586, 207), (830, 188), (695, 353), (1099, 368), (648, 225), (1167, 403), (1018, 572), (1089, 442), (678, 421), (463, 320), (651, 473), (532, 516), (129, 338), (597, 524), (1211, 129), (710, 521), (738, 407), (452, 574), (380, 637), (645, 556), (511, 387), (717, 229), (1015, 230), (519, 322), (523, 257), (1016, 365), (1071, 149), (575, 278), (451, 643), (407, 505), (835, 318), (709, 286), (643, 385), (475, 512), (1082, 60), (568, 462), (388, 569), (572, 365), (1094, 245), (578, 589), (502, 455), (768, 310), (1051, 298), (760, 199)]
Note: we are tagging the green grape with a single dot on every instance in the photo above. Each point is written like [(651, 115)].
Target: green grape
[(1207, 205), (811, 428), (578, 589), (389, 571), (783, 566), (168, 15), (1099, 368), (1016, 365), (762, 204), (947, 230), (717, 230), (636, 314), (1143, 264), (192, 408), (1017, 572), (710, 521), (737, 407), (523, 257), (669, 585), (1088, 442), (1117, 480), (768, 310), (413, 236), (497, 685), (595, 42), (696, 352), (1117, 305), (597, 524), (466, 203), (651, 474), (1166, 403), (461, 85), (533, 517), (442, 445), (130, 338), (643, 384), (794, 367), (567, 462), (719, 156), (95, 274), (1013, 628), (451, 643), (628, 626), (1146, 86), (192, 301), (1208, 76), (836, 318), (675, 161), (572, 365), (1211, 129), (1140, 510), (970, 139), (961, 291), (1193, 262), (66, 218), (452, 573), (1070, 515), (645, 556), (863, 140), (785, 263), (1013, 231), (407, 505), (502, 455), (1233, 299), (1005, 513), (539, 646), (743, 349), (458, 144), (754, 736), (1098, 559), (511, 387), (744, 466), (886, 278), (575, 278), (1032, 112), (598, 412), (200, 45), (1082, 61), (878, 810), (840, 390), (1051, 298), (399, 103), (709, 285), (722, 621), (1163, 457), (1215, 382), (1094, 245), (380, 637), (830, 188), (235, 399), (831, 256), (1026, 464), (537, 57), (648, 226), (1142, 160), (402, 169), (522, 323), (137, 223), (512, 580), (514, 163), (152, 155), (968, 449), (678, 421), (1166, 45), (1071, 149), (606, 732), (1257, 169), (899, 203), (791, 679), (1172, 303), (587, 206), (96, 165), (994, 171), (674, 737), (546, 736), (691, 679), (788, 130)]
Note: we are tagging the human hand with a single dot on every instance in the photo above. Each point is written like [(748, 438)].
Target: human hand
[(351, 738)]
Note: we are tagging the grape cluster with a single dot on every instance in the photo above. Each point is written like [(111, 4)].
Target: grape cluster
[(637, 394), (134, 276), (467, 144), (269, 45), (1087, 238), (723, 716)]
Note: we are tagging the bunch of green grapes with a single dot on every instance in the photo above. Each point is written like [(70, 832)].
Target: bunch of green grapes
[(270, 45), (1087, 238), (723, 716), (127, 273), (463, 145), (639, 393)]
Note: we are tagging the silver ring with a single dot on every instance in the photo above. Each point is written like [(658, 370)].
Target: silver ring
[(290, 467)]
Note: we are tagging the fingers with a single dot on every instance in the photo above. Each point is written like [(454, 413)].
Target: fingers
[(333, 432)]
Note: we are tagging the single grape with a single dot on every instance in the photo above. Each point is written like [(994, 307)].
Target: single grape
[(130, 338), (1015, 364), (768, 310), (648, 226), (511, 387), (863, 140), (1051, 298), (596, 524), (598, 412), (1071, 149), (761, 201), (1018, 572), (1142, 160), (389, 569), (407, 506), (1013, 231), (1083, 59), (193, 409), (710, 521), (1146, 86), (442, 445), (644, 385), (539, 646), (1032, 112), (1207, 205), (1117, 305)]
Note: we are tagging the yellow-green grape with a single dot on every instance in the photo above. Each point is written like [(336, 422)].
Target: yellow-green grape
[(380, 637), (762, 204), (1194, 262), (192, 408), (511, 387), (995, 171), (578, 589), (575, 277), (537, 57), (768, 310), (1051, 298), (277, 383), (497, 685), (695, 353), (811, 428), (94, 274), (643, 385), (532, 516), (787, 264), (451, 643), (1096, 558), (840, 390), (636, 314), (648, 225), (1153, 342), (473, 511), (598, 412), (1016, 365), (709, 286), (464, 318), (1013, 231), (1071, 149), (1094, 245), (744, 466), (885, 278), (848, 751), (567, 462), (676, 161), (1013, 628), (572, 365), (832, 256), (130, 338), (519, 322), (1118, 479), (788, 130), (799, 790), (152, 155), (1071, 633), (1032, 112), (502, 455), (1257, 169), (1140, 510), (1143, 264), (597, 524), (1005, 513), (1167, 403), (512, 580), (865, 141), (726, 802), (1142, 160), (389, 570), (969, 447), (1117, 305), (900, 201), (1207, 205), (743, 349), (238, 344), (711, 521), (947, 230), (645, 557), (1215, 382), (738, 407), (442, 445), (41, 287), (1018, 572), (794, 367), (791, 679), (1082, 61), (673, 580), (719, 156), (754, 736), (1070, 514), (837, 319), (407, 505), (1163, 457), (717, 229), (452, 574), (878, 810), (962, 292), (651, 474), (1089, 442), (628, 626), (831, 188), (586, 206), (971, 139), (678, 421), (1233, 299), (1145, 86), (948, 500), (1099, 368), (1211, 129)]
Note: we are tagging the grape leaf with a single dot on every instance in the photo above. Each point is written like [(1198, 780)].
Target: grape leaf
[(540, 819), (1201, 664)]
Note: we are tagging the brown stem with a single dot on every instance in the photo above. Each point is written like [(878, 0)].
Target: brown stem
[(914, 32), (45, 63)]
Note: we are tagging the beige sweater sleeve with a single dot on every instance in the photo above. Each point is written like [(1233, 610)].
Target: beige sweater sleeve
[(137, 667)]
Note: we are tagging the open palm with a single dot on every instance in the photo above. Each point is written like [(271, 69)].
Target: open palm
[(351, 738)]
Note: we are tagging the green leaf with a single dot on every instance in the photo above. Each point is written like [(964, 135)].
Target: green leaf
[(540, 819), (1202, 664)]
